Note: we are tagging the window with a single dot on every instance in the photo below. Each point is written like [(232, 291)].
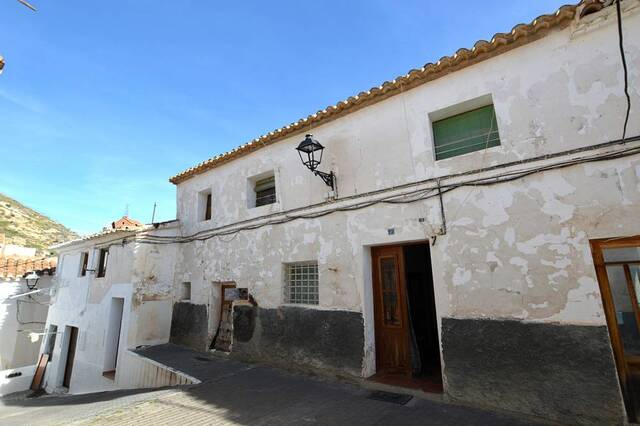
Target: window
[(265, 190), (102, 262), (204, 205), (302, 283), (84, 261), (467, 132), (185, 292), (207, 208)]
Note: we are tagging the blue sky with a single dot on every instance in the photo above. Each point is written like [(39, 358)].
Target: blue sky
[(101, 102)]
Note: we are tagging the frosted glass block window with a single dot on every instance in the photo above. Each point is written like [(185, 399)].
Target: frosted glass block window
[(302, 283)]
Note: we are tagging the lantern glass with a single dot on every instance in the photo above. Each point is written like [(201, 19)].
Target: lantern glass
[(310, 151), (32, 280)]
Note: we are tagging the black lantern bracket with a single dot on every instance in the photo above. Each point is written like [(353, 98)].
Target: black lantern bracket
[(310, 151), (328, 178)]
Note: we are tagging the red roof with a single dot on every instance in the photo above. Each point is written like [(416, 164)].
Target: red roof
[(126, 222), (14, 267)]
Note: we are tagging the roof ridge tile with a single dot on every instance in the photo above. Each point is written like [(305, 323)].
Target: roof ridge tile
[(498, 44)]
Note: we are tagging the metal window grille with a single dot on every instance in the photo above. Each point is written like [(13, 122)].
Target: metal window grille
[(265, 191), (302, 283)]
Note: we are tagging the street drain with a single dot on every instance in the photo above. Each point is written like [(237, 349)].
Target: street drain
[(201, 358), (395, 398)]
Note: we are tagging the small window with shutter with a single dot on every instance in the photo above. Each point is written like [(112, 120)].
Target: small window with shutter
[(204, 205), (84, 262), (265, 191), (102, 262), (261, 190), (470, 131), (207, 208)]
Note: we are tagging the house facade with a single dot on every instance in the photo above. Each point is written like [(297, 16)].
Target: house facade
[(485, 210), (23, 310), (110, 296)]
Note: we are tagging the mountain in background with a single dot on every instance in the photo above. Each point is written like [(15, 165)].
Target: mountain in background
[(26, 227)]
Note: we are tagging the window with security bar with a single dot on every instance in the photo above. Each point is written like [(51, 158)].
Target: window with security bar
[(265, 190), (302, 283), (467, 132)]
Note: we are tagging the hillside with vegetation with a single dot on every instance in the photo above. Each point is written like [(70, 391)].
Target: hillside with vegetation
[(26, 227)]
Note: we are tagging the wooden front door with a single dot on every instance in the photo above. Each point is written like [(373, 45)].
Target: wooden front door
[(617, 262), (390, 311), (71, 354)]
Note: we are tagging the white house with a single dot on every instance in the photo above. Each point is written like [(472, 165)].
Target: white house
[(23, 312), (111, 295), (471, 228), (484, 212)]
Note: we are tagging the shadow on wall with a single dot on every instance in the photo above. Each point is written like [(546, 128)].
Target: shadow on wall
[(290, 336), (189, 326)]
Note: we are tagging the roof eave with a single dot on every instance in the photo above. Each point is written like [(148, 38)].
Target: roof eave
[(482, 50)]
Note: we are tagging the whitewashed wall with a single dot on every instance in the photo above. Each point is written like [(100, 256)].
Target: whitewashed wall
[(16, 348), (517, 250), (140, 274)]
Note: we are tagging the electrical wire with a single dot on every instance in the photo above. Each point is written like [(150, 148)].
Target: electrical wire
[(413, 196), (624, 68), (405, 198), (21, 322)]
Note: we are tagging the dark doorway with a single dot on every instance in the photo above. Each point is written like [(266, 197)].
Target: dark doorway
[(421, 308), (407, 344), (71, 354)]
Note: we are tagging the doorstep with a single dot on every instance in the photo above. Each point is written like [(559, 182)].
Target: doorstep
[(378, 384)]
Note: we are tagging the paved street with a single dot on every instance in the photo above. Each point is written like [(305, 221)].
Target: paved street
[(234, 393)]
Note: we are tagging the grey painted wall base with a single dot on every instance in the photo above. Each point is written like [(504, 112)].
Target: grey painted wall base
[(189, 326), (297, 337), (561, 372)]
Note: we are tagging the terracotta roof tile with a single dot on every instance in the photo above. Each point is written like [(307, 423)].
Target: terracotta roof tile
[(123, 225), (501, 42), (15, 267), (126, 222)]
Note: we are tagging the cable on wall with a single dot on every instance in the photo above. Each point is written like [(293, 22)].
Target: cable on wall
[(625, 70), (405, 198)]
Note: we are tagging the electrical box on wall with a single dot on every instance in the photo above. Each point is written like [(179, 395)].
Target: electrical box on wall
[(231, 294)]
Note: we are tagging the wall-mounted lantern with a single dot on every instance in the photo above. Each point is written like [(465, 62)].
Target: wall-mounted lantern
[(312, 150), (32, 280)]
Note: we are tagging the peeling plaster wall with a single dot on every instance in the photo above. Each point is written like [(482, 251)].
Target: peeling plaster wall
[(561, 92), (516, 251), (141, 274)]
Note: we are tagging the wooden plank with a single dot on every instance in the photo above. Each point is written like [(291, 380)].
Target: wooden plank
[(622, 242), (36, 383)]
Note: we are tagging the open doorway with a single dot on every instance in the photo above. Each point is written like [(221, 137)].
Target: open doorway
[(112, 344), (71, 340), (617, 263), (407, 344), (223, 332)]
